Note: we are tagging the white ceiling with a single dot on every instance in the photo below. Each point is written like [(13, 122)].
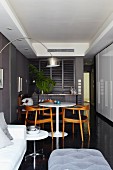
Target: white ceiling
[(83, 25)]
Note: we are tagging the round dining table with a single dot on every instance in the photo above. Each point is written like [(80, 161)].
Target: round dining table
[(57, 133)]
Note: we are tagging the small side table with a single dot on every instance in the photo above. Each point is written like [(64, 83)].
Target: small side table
[(41, 135)]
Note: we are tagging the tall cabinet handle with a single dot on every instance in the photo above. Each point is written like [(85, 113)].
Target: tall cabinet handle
[(106, 93), (98, 83), (111, 94)]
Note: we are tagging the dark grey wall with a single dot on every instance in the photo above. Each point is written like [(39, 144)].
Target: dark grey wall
[(13, 80), (5, 92), (14, 65), (79, 75), (23, 71)]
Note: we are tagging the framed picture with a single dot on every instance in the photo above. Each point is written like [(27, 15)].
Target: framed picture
[(1, 78)]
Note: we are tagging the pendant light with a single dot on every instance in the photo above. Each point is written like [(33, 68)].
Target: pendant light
[(53, 62)]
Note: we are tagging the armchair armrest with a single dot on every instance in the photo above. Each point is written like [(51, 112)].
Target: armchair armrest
[(17, 131)]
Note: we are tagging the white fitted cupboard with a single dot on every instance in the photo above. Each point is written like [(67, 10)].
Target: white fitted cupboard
[(104, 82)]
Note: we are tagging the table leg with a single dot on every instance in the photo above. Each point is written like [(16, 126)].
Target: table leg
[(58, 133), (57, 119), (57, 143), (34, 154)]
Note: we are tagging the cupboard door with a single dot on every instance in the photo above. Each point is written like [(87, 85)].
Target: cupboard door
[(106, 83), (97, 85), (111, 81), (101, 83)]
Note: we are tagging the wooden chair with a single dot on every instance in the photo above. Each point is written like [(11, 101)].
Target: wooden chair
[(79, 114), (39, 118), (20, 108)]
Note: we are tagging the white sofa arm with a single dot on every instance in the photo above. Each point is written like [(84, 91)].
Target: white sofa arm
[(17, 131)]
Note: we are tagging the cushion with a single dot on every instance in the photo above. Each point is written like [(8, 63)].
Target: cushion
[(77, 159), (4, 126), (4, 140)]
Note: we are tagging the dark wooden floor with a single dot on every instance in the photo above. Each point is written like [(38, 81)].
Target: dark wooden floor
[(101, 139)]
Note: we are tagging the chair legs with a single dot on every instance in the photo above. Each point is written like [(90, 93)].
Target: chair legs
[(52, 129), (79, 121), (81, 129), (63, 130), (88, 124), (73, 128), (88, 128), (63, 111)]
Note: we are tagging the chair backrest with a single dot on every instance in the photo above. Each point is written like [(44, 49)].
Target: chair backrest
[(85, 107), (32, 108), (37, 118), (49, 100), (29, 108), (37, 112), (79, 107)]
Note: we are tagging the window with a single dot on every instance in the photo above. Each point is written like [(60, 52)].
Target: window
[(64, 75)]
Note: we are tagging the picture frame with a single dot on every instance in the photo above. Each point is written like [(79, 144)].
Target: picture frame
[(1, 78)]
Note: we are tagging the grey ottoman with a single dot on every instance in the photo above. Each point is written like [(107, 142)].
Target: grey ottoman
[(77, 159)]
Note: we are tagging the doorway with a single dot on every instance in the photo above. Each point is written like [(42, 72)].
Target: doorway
[(86, 87)]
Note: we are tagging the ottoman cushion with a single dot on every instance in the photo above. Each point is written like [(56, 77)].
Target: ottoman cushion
[(77, 159)]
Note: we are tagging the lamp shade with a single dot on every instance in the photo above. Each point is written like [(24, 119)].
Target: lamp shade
[(53, 62)]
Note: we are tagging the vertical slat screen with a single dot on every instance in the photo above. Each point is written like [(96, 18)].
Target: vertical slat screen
[(43, 67), (57, 77), (64, 75), (68, 75)]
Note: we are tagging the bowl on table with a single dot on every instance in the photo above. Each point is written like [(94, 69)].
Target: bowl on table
[(33, 130)]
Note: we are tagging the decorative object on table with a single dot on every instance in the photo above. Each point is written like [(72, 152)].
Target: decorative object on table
[(33, 130), (1, 78), (57, 102), (43, 83), (73, 91)]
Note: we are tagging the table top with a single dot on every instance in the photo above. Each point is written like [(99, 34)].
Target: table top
[(38, 136), (62, 104)]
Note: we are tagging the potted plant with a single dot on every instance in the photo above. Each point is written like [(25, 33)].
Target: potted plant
[(43, 83)]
